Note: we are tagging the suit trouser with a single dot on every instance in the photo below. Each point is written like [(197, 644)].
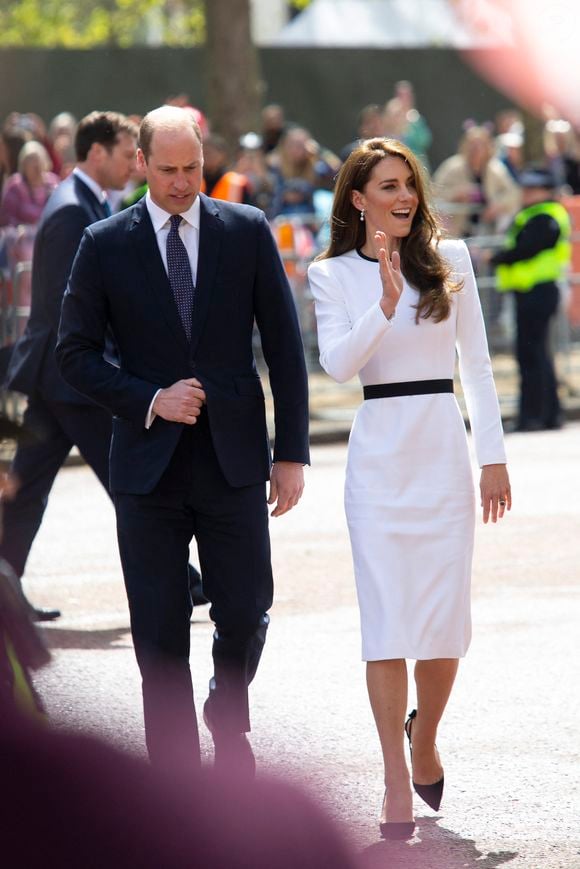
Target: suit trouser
[(58, 426), (230, 525), (539, 402)]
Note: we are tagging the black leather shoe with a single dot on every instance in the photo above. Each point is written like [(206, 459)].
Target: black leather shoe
[(401, 831), (235, 756), (42, 614), (233, 753), (430, 794)]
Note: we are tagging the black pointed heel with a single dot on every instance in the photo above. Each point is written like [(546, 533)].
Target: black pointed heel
[(430, 794), (400, 830)]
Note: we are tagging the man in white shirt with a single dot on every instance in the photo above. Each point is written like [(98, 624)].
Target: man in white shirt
[(181, 278), (59, 416)]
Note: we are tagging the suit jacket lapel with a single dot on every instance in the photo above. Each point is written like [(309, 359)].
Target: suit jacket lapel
[(91, 203), (143, 237), (210, 239)]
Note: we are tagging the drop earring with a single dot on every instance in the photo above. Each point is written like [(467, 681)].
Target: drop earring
[(362, 215)]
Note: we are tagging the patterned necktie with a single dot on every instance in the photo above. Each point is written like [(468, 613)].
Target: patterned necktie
[(179, 272)]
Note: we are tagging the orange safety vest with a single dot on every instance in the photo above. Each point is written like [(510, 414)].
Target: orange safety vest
[(231, 187)]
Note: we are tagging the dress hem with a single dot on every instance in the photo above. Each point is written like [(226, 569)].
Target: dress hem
[(413, 656)]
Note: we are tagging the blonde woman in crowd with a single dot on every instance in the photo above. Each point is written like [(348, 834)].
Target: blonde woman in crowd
[(475, 191)]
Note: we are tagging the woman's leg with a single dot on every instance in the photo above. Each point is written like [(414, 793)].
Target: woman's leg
[(434, 680), (387, 687)]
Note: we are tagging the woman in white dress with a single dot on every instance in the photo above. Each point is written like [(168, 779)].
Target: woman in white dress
[(393, 304)]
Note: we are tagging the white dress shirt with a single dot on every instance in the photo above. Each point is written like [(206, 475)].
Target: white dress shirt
[(188, 231), (91, 184), (189, 234)]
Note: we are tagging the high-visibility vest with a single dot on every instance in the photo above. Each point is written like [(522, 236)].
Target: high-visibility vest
[(231, 187), (24, 697), (547, 265)]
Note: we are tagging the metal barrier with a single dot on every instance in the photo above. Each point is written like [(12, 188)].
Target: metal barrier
[(22, 297), (297, 238), (16, 246)]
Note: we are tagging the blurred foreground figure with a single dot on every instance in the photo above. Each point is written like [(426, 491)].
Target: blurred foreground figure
[(90, 805), (21, 647)]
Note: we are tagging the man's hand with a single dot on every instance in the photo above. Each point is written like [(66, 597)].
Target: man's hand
[(181, 402), (286, 486), (8, 485)]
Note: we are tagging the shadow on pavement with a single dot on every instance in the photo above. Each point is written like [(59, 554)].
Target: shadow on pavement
[(433, 847), (65, 638)]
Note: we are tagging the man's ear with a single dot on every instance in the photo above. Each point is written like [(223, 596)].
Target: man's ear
[(141, 161)]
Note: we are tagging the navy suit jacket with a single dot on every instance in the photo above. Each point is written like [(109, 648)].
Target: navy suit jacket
[(118, 279), (33, 370)]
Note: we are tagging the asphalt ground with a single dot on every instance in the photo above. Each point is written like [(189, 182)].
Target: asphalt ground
[(510, 739)]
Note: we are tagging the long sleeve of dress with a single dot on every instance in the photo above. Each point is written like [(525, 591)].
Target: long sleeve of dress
[(475, 367), (345, 346)]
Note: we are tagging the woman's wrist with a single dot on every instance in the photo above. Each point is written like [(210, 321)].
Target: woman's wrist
[(388, 308)]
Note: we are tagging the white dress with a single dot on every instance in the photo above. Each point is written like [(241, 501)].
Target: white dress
[(409, 493)]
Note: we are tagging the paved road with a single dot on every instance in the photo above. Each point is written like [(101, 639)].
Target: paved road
[(510, 740)]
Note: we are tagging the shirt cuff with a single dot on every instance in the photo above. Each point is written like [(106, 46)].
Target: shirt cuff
[(393, 315), (151, 413)]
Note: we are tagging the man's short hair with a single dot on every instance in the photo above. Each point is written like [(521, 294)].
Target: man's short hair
[(103, 128), (165, 117)]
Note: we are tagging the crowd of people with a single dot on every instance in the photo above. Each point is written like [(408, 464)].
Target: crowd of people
[(283, 170)]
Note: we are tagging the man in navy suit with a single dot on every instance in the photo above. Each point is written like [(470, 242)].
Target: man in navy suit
[(59, 415), (180, 280)]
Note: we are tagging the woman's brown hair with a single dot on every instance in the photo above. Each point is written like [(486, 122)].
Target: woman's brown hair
[(421, 262)]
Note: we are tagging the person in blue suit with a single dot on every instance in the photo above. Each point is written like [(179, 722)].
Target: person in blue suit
[(106, 145), (180, 279), (59, 415)]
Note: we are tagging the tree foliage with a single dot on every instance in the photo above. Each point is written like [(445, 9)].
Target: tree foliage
[(90, 23)]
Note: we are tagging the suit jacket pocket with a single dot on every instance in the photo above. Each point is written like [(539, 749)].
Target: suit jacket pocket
[(250, 385)]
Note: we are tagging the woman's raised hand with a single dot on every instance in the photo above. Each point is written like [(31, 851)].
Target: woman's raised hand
[(391, 275)]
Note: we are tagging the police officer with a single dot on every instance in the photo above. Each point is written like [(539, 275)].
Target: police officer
[(536, 255)]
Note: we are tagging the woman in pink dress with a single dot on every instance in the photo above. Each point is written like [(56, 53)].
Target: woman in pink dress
[(27, 191)]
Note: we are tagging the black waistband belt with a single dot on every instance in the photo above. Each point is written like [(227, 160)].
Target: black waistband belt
[(411, 387)]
